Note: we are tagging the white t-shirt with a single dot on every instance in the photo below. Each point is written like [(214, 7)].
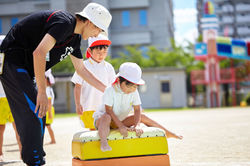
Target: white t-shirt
[(91, 98), (50, 94), (1, 88), (2, 94), (121, 102)]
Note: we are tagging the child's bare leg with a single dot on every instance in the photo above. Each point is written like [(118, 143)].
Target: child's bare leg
[(2, 128), (51, 134), (103, 125), (151, 123), (17, 138)]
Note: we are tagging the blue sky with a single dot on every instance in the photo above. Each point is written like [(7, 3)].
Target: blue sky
[(185, 20)]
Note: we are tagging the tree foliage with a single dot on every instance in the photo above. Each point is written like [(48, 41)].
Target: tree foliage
[(64, 66), (178, 56)]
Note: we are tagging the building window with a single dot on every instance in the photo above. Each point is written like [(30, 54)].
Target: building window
[(1, 26), (125, 18), (143, 17), (165, 87), (14, 21)]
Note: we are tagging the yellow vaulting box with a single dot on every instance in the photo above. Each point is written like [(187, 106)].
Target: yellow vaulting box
[(86, 144)]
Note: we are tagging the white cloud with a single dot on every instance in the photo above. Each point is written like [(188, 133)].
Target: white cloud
[(185, 15), (189, 35), (185, 25)]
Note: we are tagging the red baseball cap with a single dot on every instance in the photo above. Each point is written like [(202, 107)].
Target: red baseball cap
[(97, 41)]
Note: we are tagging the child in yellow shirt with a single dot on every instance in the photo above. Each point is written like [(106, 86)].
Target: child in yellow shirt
[(5, 116), (51, 110)]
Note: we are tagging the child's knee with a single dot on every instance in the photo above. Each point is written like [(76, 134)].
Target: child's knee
[(143, 116), (106, 117)]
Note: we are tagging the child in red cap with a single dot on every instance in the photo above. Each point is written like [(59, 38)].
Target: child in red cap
[(87, 98)]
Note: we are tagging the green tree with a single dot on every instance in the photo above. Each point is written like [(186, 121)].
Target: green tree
[(64, 66), (178, 56)]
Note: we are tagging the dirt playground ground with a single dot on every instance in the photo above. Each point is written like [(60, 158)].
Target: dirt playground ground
[(212, 137)]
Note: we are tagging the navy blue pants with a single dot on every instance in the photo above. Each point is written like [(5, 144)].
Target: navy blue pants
[(21, 93)]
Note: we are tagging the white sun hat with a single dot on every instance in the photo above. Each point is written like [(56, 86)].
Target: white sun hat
[(98, 15), (131, 72)]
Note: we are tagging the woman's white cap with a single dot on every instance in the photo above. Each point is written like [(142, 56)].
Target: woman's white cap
[(98, 15), (131, 72)]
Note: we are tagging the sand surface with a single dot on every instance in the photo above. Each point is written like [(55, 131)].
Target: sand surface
[(212, 137)]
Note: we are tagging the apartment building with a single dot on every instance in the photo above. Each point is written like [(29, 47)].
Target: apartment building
[(140, 22), (233, 17)]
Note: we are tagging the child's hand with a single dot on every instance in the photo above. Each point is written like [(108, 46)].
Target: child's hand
[(79, 109), (138, 131), (124, 131)]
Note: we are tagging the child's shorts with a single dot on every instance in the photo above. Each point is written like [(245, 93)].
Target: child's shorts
[(50, 121), (5, 113), (87, 119)]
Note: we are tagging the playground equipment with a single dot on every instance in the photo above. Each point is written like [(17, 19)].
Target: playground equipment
[(211, 51), (150, 149)]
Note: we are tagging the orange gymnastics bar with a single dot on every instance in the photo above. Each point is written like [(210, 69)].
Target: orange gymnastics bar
[(156, 160)]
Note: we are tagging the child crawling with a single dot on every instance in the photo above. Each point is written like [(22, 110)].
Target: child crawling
[(118, 100)]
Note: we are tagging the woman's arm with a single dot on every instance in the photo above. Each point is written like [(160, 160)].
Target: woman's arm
[(86, 75), (39, 60)]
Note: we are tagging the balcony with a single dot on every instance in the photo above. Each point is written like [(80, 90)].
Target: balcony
[(227, 75), (22, 7), (243, 7), (243, 18), (198, 77), (130, 37), (243, 30)]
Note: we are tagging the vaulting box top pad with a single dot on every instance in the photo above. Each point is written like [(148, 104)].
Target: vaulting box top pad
[(86, 144)]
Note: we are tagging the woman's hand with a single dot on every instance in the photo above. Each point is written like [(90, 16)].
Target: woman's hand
[(41, 104)]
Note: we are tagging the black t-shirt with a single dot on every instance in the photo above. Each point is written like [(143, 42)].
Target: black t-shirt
[(24, 37)]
